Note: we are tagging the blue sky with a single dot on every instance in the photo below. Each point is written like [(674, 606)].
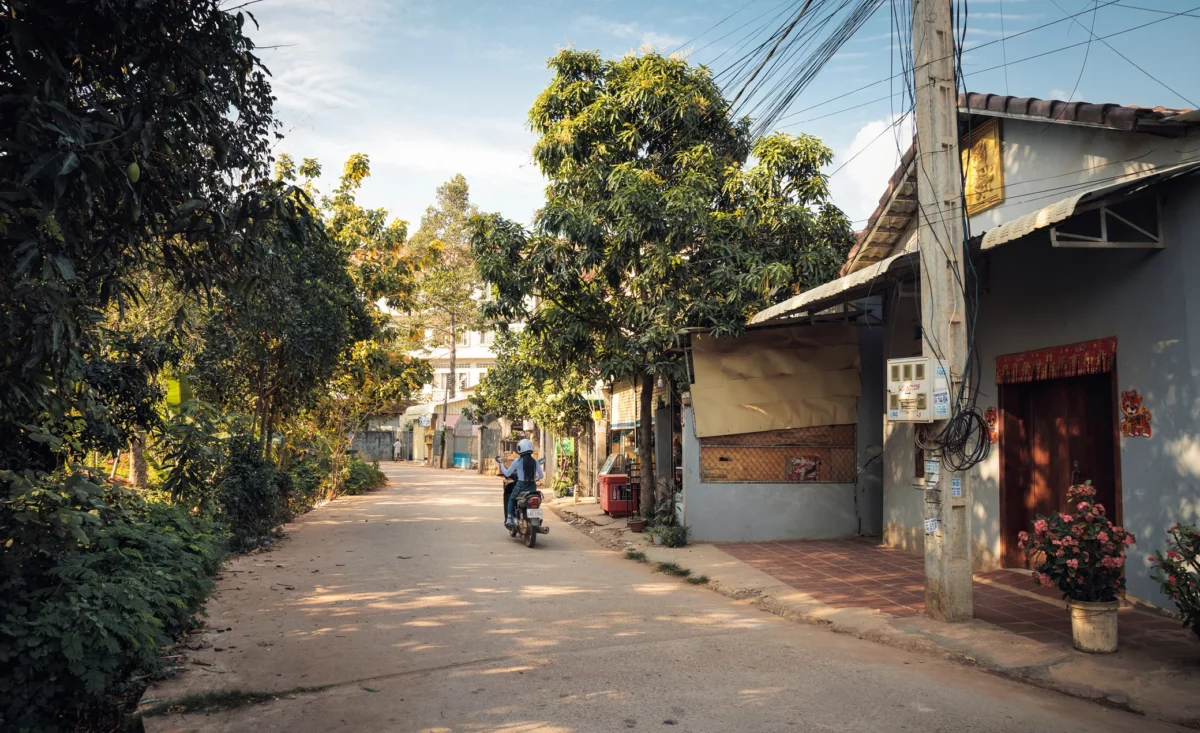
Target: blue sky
[(430, 88)]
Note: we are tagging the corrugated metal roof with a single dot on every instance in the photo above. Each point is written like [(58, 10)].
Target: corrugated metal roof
[(831, 290), (1063, 209)]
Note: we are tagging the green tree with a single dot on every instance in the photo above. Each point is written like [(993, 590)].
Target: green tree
[(447, 296), (653, 220), (375, 372), (136, 141), (133, 135), (524, 385)]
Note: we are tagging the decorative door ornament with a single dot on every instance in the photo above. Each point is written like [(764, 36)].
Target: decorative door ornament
[(1135, 416), (992, 419), (983, 161)]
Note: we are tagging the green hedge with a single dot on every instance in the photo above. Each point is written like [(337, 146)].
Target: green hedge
[(93, 579), (359, 477)]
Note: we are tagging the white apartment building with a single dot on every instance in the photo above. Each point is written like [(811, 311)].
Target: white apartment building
[(473, 358)]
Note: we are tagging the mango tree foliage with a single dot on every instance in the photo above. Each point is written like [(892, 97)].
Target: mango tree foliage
[(662, 213), (136, 140), (133, 135)]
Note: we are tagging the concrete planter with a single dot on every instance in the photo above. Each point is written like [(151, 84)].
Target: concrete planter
[(637, 525), (1094, 626), (658, 540)]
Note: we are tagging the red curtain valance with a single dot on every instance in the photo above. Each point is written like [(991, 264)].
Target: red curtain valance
[(1074, 360)]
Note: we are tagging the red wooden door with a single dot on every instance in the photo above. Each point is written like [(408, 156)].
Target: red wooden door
[(1051, 429)]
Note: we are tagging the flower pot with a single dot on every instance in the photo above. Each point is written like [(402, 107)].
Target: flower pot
[(1094, 626), (637, 525), (658, 540)]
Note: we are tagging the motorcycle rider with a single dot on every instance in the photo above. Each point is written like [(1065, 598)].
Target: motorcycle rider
[(528, 472)]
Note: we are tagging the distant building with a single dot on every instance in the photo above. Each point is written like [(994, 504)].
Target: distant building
[(473, 358)]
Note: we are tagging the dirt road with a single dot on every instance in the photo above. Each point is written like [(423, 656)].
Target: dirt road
[(411, 610)]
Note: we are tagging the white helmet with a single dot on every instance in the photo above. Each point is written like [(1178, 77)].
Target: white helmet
[(525, 446)]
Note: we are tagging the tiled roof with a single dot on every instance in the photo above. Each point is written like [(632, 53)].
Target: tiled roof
[(880, 237), (1116, 116)]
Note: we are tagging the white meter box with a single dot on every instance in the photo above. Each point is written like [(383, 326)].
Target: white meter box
[(918, 390)]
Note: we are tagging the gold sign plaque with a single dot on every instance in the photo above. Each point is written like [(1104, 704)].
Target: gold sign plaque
[(984, 166)]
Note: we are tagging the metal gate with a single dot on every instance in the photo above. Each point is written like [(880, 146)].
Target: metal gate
[(462, 443)]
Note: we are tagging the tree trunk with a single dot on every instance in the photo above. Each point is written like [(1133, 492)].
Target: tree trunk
[(447, 438), (138, 470), (646, 446)]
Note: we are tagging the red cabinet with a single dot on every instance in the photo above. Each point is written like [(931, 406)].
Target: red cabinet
[(618, 498)]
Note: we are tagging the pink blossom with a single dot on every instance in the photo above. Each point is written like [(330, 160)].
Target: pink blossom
[(1058, 554), (1089, 516), (1129, 540), (1103, 536), (1066, 517), (1046, 582), (1040, 526), (1174, 555), (1073, 564), (1099, 508), (1083, 506)]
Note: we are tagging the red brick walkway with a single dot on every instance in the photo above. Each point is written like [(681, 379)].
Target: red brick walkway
[(859, 574)]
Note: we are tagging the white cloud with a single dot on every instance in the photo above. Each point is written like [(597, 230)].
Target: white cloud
[(873, 155), (631, 31), (1062, 94), (309, 45)]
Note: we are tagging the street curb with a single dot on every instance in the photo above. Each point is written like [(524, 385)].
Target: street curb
[(976, 644)]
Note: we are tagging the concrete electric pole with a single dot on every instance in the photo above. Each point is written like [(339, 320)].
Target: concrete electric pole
[(943, 309)]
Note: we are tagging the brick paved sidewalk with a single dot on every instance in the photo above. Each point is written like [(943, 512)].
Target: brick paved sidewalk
[(860, 574)]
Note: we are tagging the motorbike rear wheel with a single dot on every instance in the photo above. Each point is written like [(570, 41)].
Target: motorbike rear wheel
[(531, 534)]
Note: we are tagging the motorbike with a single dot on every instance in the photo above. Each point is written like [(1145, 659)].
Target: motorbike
[(528, 523)]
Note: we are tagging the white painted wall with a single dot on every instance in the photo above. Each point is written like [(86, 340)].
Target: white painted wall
[(1046, 162)]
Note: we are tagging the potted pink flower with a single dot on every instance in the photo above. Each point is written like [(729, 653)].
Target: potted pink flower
[(1178, 573), (1083, 555)]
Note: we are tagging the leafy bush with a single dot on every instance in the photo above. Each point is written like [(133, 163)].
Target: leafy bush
[(563, 484), (672, 535), (1083, 554), (359, 477), (309, 485), (1178, 572), (251, 501), (94, 580)]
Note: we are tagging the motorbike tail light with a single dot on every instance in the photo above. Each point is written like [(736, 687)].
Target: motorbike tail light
[(534, 502)]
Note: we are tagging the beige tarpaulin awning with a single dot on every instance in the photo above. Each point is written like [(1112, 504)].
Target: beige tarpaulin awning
[(776, 379)]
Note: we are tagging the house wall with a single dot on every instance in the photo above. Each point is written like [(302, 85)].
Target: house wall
[(724, 512), (903, 504), (1044, 163), (1034, 296)]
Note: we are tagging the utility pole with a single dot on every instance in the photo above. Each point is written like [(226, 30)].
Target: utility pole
[(943, 309)]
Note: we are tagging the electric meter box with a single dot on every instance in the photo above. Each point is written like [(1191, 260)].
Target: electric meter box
[(918, 390)]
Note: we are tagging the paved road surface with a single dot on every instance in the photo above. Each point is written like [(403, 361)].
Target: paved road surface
[(420, 614)]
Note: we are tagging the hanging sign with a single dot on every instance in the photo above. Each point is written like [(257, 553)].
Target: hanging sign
[(931, 525)]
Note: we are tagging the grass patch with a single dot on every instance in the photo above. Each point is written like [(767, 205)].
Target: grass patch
[(673, 568), (636, 555), (207, 702), (698, 579)]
